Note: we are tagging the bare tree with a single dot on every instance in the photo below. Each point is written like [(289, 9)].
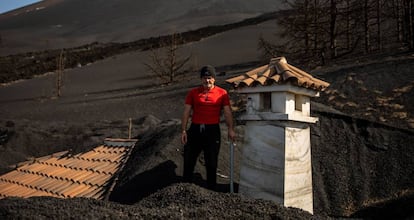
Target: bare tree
[(409, 22), (60, 66), (333, 28), (316, 17), (401, 12), (268, 49), (379, 24), (395, 14), (309, 31), (306, 25), (341, 28), (166, 63), (348, 24), (366, 26)]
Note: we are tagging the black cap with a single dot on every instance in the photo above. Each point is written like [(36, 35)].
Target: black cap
[(208, 71)]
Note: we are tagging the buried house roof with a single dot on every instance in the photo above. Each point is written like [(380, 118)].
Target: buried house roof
[(278, 71), (91, 174)]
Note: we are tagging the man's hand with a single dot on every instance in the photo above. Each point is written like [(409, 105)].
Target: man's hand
[(184, 120), (183, 137), (228, 116), (232, 135)]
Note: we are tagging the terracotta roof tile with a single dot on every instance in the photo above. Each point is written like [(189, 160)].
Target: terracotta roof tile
[(278, 71), (98, 192), (88, 174)]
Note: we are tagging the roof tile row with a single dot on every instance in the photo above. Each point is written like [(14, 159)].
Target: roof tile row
[(87, 174), (278, 71)]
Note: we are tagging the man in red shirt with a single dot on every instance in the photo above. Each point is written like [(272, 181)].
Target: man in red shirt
[(206, 103)]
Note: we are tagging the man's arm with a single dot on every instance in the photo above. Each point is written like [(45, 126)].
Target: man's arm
[(184, 121), (228, 116)]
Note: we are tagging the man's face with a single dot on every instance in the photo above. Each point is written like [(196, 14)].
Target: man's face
[(207, 81)]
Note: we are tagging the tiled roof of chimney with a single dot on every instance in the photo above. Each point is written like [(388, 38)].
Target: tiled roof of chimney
[(91, 174), (278, 71)]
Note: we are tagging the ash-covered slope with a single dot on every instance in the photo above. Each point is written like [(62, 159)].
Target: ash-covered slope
[(361, 165), (62, 23)]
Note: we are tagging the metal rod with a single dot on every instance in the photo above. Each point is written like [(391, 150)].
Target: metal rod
[(231, 166)]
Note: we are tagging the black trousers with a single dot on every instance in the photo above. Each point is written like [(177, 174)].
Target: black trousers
[(204, 138)]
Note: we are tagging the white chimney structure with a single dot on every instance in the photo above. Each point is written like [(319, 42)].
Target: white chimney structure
[(276, 157)]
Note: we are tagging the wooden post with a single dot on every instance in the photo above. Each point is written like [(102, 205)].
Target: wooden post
[(130, 128)]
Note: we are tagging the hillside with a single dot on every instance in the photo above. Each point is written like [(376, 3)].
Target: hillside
[(27, 65), (54, 24)]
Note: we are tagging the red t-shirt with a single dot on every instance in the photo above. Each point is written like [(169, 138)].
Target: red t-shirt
[(207, 106)]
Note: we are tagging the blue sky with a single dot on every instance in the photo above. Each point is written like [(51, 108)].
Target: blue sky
[(7, 5)]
